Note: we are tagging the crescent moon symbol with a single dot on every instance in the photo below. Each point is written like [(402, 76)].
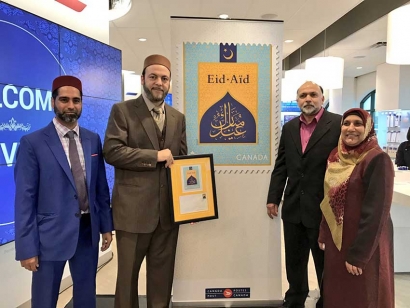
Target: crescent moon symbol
[(230, 56)]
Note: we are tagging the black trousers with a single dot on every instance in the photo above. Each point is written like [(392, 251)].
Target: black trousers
[(299, 241)]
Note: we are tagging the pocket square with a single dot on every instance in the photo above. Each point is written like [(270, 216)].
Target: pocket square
[(92, 155)]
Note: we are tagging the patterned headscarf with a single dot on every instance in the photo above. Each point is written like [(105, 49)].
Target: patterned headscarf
[(340, 166)]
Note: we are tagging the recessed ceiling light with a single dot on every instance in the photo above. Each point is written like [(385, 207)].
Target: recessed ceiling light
[(142, 39), (224, 16), (269, 16), (359, 67), (288, 41)]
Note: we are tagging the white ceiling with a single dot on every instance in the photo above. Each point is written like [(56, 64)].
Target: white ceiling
[(303, 19), (360, 44)]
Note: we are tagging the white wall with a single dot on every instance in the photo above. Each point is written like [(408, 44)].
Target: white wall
[(335, 101), (404, 88), (364, 85), (393, 87), (348, 94), (343, 99), (388, 87)]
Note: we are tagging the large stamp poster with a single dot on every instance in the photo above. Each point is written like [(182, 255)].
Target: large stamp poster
[(228, 97)]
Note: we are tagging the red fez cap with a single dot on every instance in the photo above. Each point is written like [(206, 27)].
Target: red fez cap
[(157, 59), (66, 80)]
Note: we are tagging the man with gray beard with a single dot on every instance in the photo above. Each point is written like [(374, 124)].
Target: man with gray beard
[(304, 147), (142, 137)]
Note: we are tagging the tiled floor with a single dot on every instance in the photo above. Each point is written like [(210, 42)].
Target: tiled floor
[(107, 275)]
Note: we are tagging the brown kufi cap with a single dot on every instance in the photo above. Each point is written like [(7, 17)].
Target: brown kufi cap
[(63, 81), (157, 59)]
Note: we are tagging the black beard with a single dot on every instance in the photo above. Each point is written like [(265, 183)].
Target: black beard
[(151, 97), (68, 118)]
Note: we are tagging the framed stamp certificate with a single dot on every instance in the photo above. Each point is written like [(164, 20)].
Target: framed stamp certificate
[(192, 188)]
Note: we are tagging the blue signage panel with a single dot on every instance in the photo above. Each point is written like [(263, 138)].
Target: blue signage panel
[(6, 201), (96, 64), (168, 99), (290, 107), (33, 52), (29, 49)]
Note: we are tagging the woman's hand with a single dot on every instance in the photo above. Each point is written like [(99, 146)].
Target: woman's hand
[(321, 245), (353, 269)]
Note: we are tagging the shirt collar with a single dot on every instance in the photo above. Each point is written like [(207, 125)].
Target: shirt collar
[(62, 130), (317, 117)]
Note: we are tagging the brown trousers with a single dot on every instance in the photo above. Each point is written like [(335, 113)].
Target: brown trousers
[(159, 248)]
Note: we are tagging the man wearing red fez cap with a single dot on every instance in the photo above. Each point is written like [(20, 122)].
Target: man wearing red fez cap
[(142, 136), (67, 81), (67, 115), (62, 201)]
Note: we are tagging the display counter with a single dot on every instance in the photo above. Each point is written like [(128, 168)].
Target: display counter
[(400, 213)]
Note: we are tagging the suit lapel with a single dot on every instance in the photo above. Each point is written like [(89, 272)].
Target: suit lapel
[(53, 141), (86, 144), (171, 126), (146, 120), (322, 128), (295, 133)]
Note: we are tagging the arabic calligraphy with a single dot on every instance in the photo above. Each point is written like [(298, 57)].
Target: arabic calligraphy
[(227, 123)]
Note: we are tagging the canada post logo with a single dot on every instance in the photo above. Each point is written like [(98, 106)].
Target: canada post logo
[(75, 5), (217, 293)]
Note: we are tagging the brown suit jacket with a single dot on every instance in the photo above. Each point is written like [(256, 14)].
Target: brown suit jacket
[(140, 195)]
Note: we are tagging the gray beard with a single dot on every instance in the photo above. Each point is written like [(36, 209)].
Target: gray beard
[(310, 111)]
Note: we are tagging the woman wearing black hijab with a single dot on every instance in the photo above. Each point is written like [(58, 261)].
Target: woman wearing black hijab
[(403, 152)]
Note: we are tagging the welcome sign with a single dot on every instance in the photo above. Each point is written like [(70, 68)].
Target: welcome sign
[(228, 101), (33, 52)]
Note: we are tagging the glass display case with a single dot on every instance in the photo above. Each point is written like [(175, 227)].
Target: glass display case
[(289, 110), (391, 128)]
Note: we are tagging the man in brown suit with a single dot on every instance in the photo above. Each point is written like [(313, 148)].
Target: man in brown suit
[(142, 136)]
